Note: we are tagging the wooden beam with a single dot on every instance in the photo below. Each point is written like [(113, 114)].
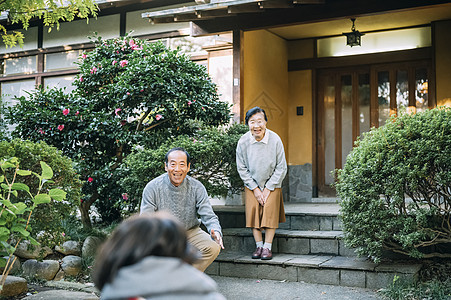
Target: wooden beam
[(240, 9), (161, 20), (185, 17), (309, 1), (362, 59), (270, 4), (302, 14), (212, 13)]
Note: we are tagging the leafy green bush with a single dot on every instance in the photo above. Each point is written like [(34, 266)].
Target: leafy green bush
[(396, 187), (47, 217), (18, 203), (3, 132), (212, 152), (129, 92)]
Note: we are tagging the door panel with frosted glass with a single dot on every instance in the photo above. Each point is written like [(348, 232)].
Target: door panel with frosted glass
[(344, 110), (351, 101)]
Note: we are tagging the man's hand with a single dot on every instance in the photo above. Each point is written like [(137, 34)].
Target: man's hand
[(265, 195), (216, 236), (259, 196)]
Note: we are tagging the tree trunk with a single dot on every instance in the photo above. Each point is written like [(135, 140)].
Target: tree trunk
[(84, 210)]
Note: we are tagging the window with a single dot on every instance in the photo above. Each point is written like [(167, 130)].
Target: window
[(20, 65), (376, 42), (61, 60)]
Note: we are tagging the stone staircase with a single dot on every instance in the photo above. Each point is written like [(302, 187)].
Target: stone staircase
[(308, 247)]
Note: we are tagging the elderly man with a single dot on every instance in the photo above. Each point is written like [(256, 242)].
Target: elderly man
[(185, 198)]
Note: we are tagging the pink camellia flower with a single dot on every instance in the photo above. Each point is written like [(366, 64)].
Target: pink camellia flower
[(84, 55), (114, 62), (90, 179), (81, 78), (123, 63), (41, 131), (60, 127), (65, 111), (134, 46), (142, 90), (93, 70), (117, 51), (158, 117), (117, 110), (125, 196), (128, 93), (189, 103), (77, 113)]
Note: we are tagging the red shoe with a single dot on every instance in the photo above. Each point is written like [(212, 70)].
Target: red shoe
[(266, 254), (257, 253)]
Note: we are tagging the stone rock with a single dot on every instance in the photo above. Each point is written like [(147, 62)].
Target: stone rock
[(26, 250), (16, 266), (14, 286), (62, 295), (71, 265), (90, 246), (46, 269), (59, 276), (69, 248)]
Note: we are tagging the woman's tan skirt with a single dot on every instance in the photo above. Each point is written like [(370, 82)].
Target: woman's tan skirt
[(268, 216)]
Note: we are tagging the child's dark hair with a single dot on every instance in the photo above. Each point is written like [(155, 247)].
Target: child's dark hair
[(157, 234)]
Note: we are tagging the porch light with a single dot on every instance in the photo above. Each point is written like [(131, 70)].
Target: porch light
[(353, 38)]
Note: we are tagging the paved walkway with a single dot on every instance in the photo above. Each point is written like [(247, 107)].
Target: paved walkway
[(250, 289), (234, 289)]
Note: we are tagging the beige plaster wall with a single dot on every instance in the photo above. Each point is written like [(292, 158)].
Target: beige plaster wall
[(300, 127), (265, 79), (301, 49)]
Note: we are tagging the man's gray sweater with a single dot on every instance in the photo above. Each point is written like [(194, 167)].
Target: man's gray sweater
[(184, 202)]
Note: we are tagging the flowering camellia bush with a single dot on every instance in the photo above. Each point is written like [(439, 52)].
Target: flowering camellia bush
[(129, 92), (396, 187)]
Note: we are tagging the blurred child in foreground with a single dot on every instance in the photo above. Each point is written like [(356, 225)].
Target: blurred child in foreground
[(148, 257)]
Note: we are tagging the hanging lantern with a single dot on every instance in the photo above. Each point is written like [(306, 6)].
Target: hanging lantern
[(353, 38)]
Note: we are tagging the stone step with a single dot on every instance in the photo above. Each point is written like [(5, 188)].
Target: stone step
[(320, 269), (290, 241), (299, 216)]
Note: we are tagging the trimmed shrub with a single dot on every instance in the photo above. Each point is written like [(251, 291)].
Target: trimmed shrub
[(396, 187), (46, 219)]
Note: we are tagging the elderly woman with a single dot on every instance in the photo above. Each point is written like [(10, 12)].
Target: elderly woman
[(261, 163)]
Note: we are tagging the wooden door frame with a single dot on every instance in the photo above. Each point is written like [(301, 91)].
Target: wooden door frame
[(372, 71)]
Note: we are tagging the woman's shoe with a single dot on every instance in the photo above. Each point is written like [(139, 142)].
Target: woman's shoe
[(266, 254), (257, 253)]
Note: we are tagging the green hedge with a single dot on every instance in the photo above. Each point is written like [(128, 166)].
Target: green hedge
[(396, 185)]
